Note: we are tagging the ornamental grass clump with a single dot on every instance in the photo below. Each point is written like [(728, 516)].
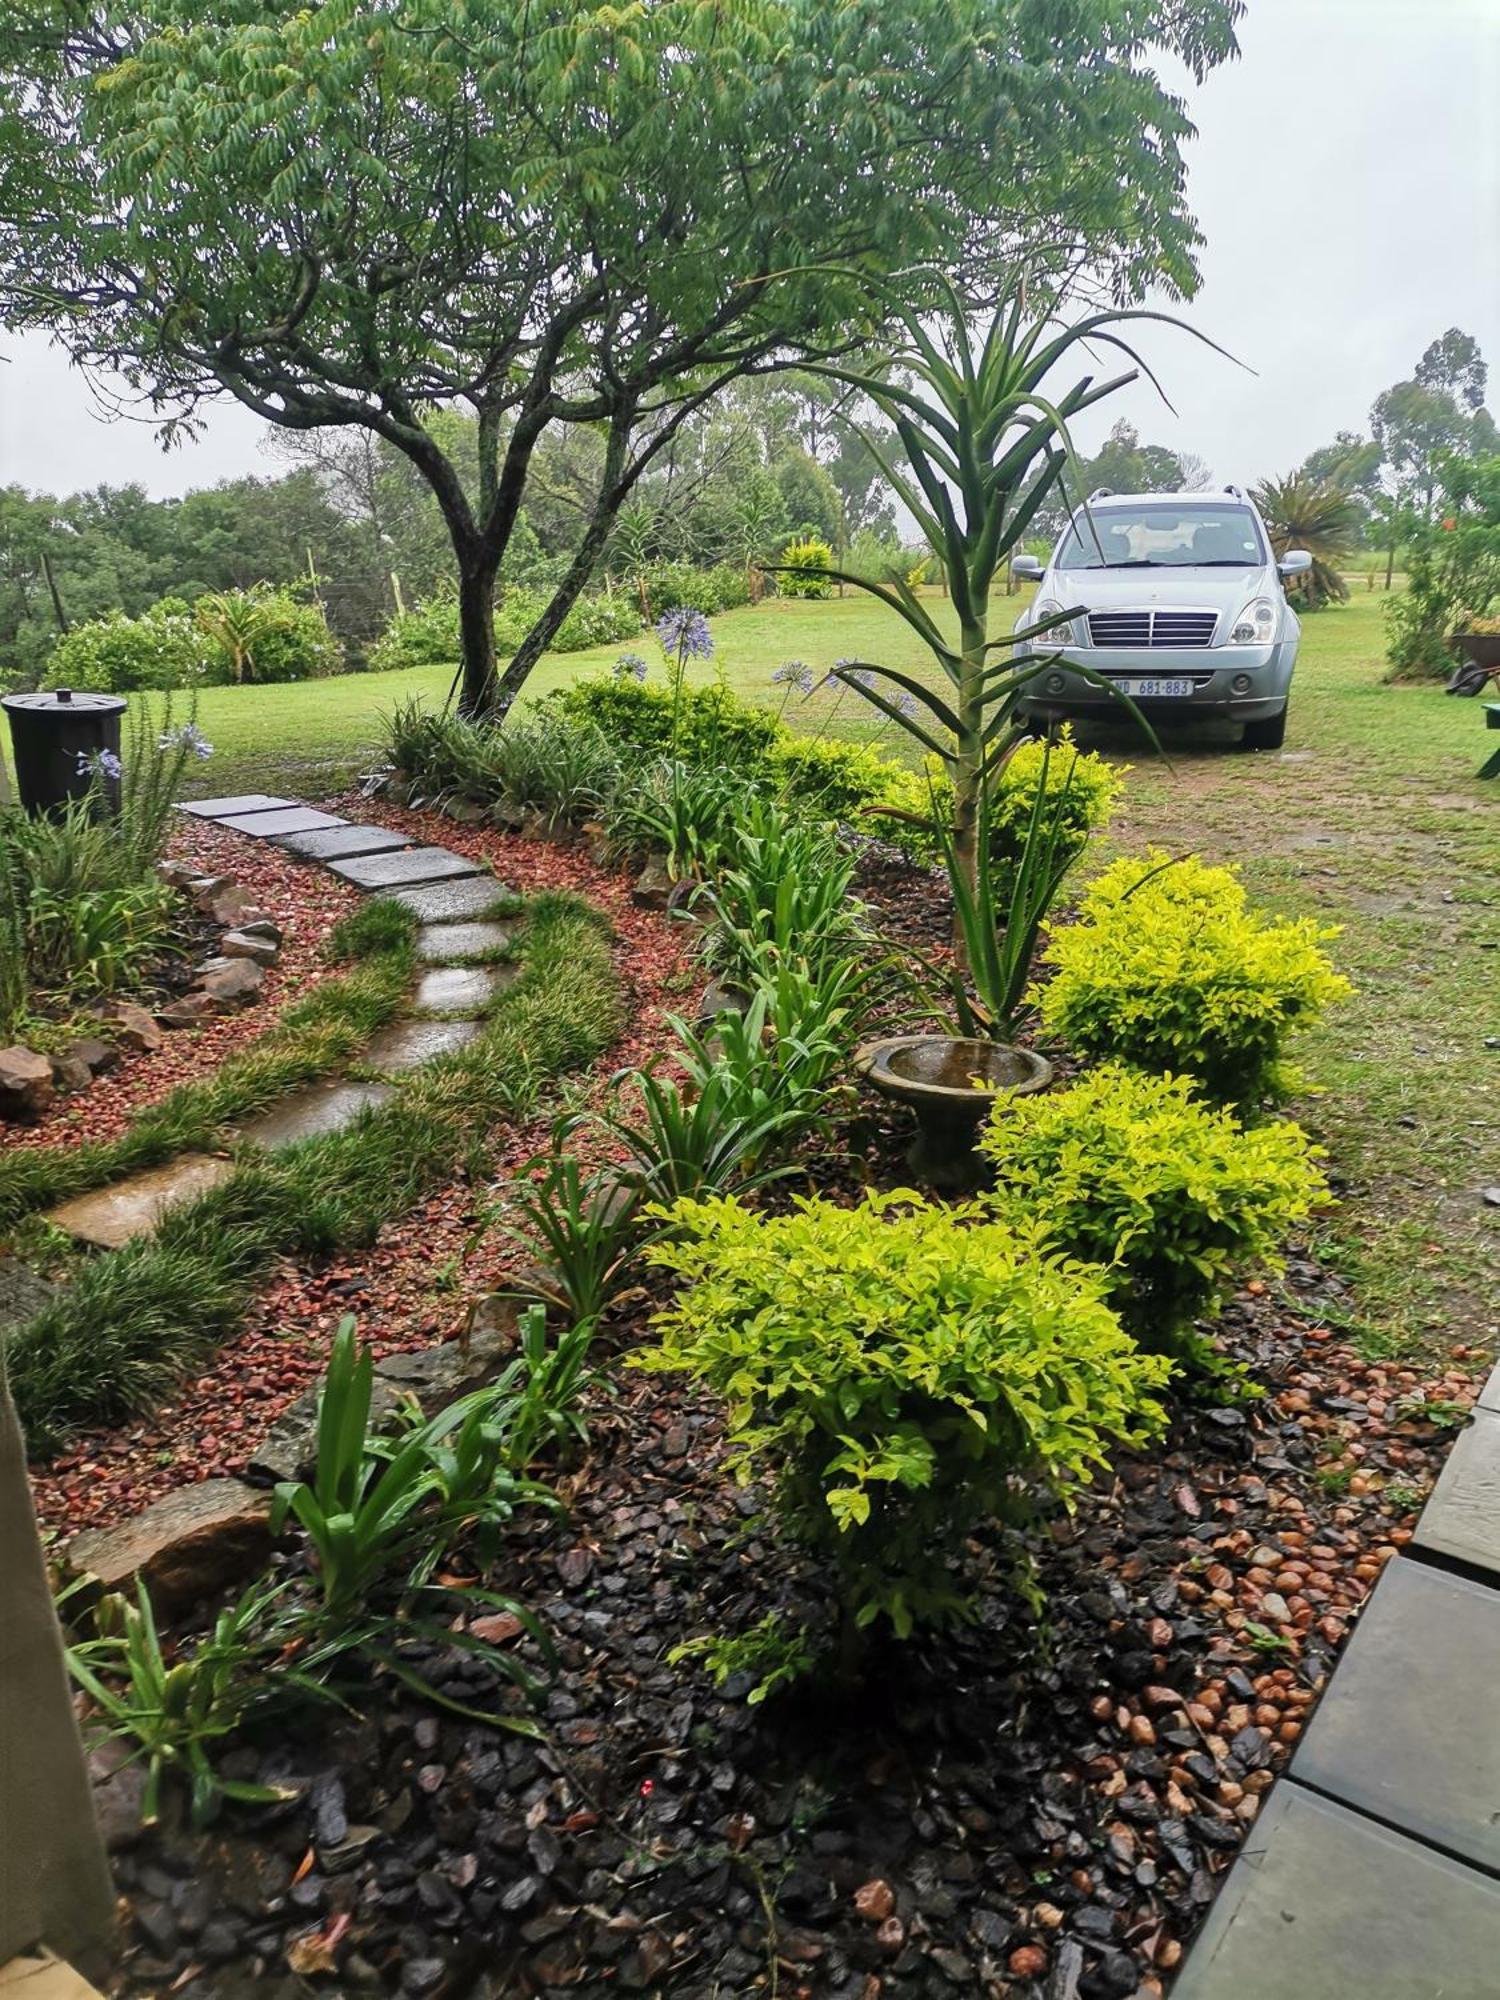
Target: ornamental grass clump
[(1173, 1197), (903, 1372), (1168, 969)]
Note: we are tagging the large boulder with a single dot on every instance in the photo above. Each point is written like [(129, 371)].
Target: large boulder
[(133, 1026), (231, 981), (26, 1085), (249, 944), (187, 1545)]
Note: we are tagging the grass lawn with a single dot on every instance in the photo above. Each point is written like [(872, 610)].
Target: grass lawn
[(1370, 818)]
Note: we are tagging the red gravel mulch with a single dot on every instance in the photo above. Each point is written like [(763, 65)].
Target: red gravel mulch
[(306, 902), (214, 1425)]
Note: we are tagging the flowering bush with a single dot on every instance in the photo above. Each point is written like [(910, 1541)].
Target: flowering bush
[(1169, 970), (163, 648), (903, 1371), (1172, 1196)]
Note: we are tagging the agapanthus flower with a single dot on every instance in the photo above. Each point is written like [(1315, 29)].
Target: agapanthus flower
[(906, 704), (630, 667), (686, 634), (189, 737), (861, 676), (99, 764), (797, 674)]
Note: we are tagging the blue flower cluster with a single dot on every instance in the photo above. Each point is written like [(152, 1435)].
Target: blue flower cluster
[(99, 764), (686, 634), (797, 674), (188, 737), (630, 667)]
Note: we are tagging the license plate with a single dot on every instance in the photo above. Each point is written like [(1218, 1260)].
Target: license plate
[(1156, 688)]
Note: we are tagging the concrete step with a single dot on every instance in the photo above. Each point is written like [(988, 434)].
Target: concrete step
[(337, 843), (445, 902), (110, 1216), (265, 825), (409, 1044), (462, 989), (242, 802), (452, 944), (308, 1114), (411, 865)]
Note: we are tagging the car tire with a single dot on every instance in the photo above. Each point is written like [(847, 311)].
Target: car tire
[(1267, 734)]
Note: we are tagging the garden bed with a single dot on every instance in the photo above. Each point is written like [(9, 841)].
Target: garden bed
[(993, 1816), (306, 903), (1038, 1811)]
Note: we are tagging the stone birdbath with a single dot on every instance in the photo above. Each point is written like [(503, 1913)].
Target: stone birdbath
[(953, 1085)]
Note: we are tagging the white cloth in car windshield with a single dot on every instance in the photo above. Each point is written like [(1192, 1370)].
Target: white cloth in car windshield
[(1189, 537)]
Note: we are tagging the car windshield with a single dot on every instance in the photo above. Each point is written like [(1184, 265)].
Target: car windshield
[(1199, 535)]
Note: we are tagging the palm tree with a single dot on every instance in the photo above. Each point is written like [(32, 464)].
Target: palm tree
[(1318, 515)]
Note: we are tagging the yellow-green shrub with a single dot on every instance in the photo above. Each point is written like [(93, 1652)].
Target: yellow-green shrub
[(897, 1368), (1168, 969), (804, 568), (1173, 1196)]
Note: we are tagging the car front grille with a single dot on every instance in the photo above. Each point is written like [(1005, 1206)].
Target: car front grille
[(1152, 628)]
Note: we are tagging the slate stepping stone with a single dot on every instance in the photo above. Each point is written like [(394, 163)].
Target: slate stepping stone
[(113, 1215), (1489, 1395), (462, 989), (242, 802), (1461, 1521), (440, 902), (308, 1114), (413, 864), (409, 1044), (450, 944), (1326, 1905), (290, 819), (337, 843), (1409, 1729), (23, 1293)]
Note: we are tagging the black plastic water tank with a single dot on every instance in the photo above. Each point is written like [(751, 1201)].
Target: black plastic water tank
[(57, 739)]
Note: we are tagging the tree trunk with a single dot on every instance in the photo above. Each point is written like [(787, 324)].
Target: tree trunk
[(1390, 563), (480, 695), (567, 593)]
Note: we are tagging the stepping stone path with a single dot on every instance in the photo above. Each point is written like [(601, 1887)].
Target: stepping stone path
[(461, 989), (444, 902), (1374, 1867), (453, 898), (314, 1112), (409, 1044), (110, 1216), (336, 843), (451, 944), (397, 870)]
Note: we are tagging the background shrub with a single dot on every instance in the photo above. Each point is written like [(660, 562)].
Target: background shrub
[(164, 648), (1173, 1196), (1169, 970), (896, 1368), (803, 568), (696, 725), (673, 586), (266, 634), (424, 636)]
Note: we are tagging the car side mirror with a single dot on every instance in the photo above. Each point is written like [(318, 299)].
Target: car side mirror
[(1026, 569), (1296, 562)]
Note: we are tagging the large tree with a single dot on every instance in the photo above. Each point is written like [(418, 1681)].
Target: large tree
[(554, 213)]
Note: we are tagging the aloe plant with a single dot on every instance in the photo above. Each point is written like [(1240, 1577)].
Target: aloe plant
[(985, 446)]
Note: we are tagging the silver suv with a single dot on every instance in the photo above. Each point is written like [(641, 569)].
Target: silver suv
[(1179, 602)]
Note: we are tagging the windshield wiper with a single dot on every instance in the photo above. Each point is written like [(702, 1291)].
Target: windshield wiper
[(1134, 562), (1223, 562)]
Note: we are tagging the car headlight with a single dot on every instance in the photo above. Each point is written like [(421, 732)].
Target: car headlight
[(1060, 635), (1256, 624)]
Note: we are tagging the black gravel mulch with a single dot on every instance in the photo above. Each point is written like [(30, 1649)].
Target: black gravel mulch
[(1004, 1810)]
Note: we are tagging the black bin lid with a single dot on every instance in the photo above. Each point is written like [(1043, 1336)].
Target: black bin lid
[(63, 701)]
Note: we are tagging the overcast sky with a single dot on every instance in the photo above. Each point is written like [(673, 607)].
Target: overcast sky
[(1346, 177)]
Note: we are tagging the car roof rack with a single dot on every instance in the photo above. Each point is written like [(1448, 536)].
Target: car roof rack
[(1101, 493), (1235, 490)]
